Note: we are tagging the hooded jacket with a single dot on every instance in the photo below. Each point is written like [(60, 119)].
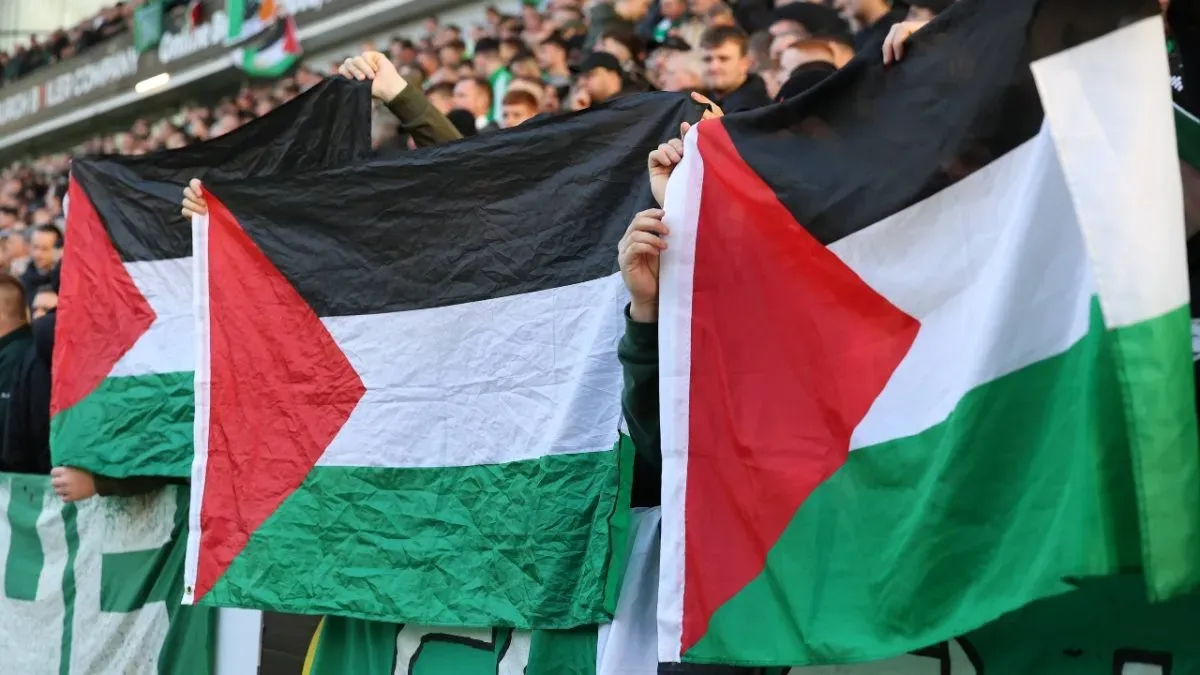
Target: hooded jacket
[(751, 95)]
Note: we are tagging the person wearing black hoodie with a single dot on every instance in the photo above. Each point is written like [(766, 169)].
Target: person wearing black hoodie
[(25, 441), (726, 55), (16, 339)]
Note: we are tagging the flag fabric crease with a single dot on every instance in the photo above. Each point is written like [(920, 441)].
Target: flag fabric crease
[(407, 379), (924, 343), (122, 401)]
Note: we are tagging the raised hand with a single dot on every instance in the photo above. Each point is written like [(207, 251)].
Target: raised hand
[(638, 255)]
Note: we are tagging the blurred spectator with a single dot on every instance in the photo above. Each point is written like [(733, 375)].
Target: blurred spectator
[(16, 337), (618, 15), (602, 77), (552, 57), (630, 53), (62, 44), (474, 95), (927, 10), (673, 13), (871, 19), (510, 47), (720, 15), (805, 77), (489, 63), (18, 251), (463, 121), (727, 70), (450, 54), (519, 107), (551, 99), (45, 252), (441, 96), (578, 97), (682, 71), (525, 64), (44, 301)]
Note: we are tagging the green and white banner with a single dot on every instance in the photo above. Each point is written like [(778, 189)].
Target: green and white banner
[(1104, 628), (94, 587)]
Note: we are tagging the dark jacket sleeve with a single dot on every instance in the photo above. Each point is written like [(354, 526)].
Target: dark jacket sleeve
[(638, 353), (419, 119), (25, 445), (132, 486)]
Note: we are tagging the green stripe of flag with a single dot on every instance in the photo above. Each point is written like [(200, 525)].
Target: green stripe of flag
[(463, 544), (917, 517), (130, 426)]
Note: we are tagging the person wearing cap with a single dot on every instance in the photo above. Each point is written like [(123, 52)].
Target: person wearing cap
[(726, 56), (803, 78), (836, 50), (602, 77), (807, 19)]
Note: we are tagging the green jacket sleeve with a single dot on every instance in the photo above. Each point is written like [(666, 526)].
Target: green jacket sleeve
[(638, 353), (419, 119), (132, 486)]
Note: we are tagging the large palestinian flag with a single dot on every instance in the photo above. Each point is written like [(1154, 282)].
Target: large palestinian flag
[(408, 379), (925, 343), (122, 401)]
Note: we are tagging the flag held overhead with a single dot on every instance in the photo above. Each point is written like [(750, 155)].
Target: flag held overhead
[(432, 425)]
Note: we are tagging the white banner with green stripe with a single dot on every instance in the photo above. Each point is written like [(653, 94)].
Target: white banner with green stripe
[(94, 587)]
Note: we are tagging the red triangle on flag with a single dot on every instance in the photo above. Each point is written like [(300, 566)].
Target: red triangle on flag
[(102, 314), (280, 391), (291, 43), (789, 349)]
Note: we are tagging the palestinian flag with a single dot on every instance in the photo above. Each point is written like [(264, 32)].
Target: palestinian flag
[(248, 18), (924, 343), (624, 647), (275, 53), (431, 426), (122, 402)]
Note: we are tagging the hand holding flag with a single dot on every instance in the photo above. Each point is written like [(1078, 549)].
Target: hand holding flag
[(638, 255), (193, 200), (386, 81)]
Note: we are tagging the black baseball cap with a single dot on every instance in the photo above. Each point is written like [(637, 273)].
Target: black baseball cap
[(601, 60), (814, 18), (804, 78)]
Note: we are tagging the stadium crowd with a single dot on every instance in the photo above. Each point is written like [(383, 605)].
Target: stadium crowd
[(509, 69), (67, 43), (557, 56)]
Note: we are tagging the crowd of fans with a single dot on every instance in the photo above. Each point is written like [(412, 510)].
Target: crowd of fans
[(499, 74), (66, 43)]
